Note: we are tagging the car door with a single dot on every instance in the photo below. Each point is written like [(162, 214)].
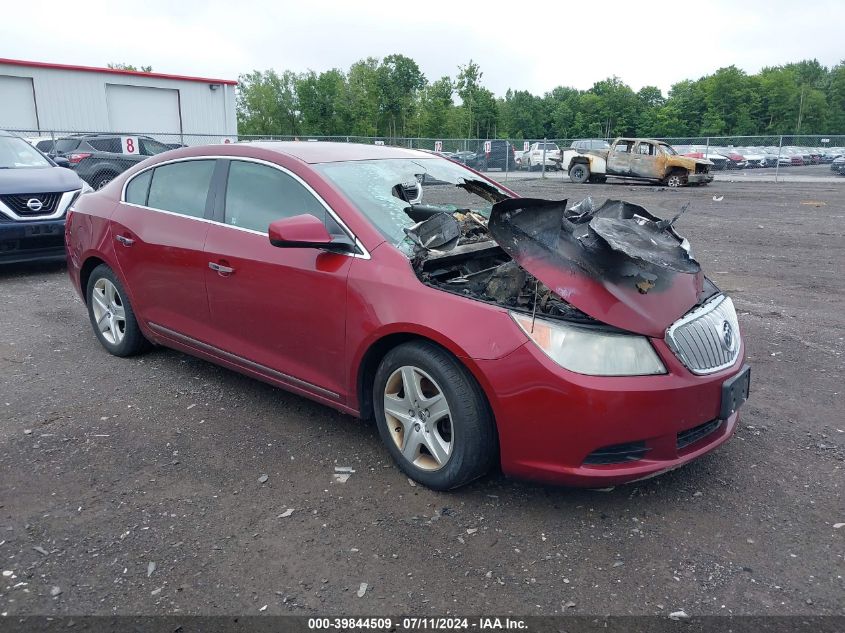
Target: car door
[(619, 159), (159, 231), (283, 309), (646, 161)]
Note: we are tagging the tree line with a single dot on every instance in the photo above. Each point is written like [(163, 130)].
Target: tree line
[(391, 97)]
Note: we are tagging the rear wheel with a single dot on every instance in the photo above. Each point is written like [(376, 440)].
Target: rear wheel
[(433, 417), (111, 314), (579, 173)]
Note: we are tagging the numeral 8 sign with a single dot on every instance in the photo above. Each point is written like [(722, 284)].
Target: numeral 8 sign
[(129, 144)]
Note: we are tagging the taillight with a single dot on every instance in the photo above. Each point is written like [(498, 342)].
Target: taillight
[(74, 158)]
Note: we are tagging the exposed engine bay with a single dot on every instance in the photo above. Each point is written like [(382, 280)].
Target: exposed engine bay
[(619, 247), (482, 270)]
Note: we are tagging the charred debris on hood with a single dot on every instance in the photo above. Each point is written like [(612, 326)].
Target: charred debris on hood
[(464, 253)]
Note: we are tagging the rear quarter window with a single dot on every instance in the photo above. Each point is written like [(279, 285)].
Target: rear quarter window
[(138, 187), (106, 145)]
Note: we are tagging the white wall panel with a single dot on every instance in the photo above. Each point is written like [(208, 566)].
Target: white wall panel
[(76, 100), (142, 109), (17, 103)]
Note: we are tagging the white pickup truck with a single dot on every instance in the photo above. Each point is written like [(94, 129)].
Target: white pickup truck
[(636, 159)]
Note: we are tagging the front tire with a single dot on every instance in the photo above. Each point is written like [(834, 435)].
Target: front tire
[(579, 173), (102, 180), (676, 179), (433, 417), (111, 314)]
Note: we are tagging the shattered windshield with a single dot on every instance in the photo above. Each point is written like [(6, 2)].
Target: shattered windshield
[(669, 150), (390, 191)]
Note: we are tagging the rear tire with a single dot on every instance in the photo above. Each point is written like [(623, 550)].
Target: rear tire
[(111, 314), (433, 417), (579, 173)]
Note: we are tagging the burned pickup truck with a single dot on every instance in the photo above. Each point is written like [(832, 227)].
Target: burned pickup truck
[(637, 159)]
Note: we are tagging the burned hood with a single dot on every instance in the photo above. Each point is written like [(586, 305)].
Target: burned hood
[(617, 263)]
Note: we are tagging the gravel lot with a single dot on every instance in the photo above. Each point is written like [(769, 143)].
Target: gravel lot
[(132, 486)]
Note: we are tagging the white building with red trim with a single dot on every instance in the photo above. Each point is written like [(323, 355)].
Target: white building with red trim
[(39, 98)]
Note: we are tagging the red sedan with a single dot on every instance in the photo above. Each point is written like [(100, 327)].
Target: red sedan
[(570, 344)]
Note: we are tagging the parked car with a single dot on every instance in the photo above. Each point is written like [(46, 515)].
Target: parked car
[(736, 161), (533, 158), (500, 156), (35, 193), (719, 162), (305, 265), (838, 165), (43, 144), (638, 159), (98, 158), (464, 157)]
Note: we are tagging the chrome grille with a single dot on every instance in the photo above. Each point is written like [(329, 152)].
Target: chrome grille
[(43, 203), (707, 339)]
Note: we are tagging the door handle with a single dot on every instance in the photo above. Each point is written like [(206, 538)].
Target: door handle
[(126, 241), (220, 268)]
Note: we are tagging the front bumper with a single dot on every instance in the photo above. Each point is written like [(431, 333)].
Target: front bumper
[(553, 423), (700, 178), (31, 241)]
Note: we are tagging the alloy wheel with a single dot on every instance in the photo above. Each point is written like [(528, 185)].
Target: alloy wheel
[(109, 313), (418, 418)]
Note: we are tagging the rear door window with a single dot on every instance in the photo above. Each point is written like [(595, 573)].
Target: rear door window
[(181, 187), (257, 195)]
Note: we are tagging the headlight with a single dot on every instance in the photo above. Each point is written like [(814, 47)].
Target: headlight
[(585, 351)]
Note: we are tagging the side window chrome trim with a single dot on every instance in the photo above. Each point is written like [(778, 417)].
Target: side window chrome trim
[(363, 254)]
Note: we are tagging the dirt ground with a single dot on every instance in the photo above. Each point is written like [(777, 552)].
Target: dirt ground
[(132, 486)]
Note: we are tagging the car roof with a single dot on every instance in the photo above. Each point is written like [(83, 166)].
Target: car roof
[(329, 152)]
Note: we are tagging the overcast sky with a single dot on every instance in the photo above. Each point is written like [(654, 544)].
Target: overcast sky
[(523, 45)]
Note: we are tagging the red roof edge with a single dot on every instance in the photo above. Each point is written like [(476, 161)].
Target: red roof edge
[(115, 71)]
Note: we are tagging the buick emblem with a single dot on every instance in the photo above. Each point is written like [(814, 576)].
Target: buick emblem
[(728, 339), (34, 204)]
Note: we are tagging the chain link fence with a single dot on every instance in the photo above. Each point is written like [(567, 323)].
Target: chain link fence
[(100, 156)]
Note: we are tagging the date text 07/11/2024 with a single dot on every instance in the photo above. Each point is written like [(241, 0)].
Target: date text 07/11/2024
[(418, 623)]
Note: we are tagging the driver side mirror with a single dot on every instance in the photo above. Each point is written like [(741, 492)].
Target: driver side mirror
[(306, 231), (61, 161)]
